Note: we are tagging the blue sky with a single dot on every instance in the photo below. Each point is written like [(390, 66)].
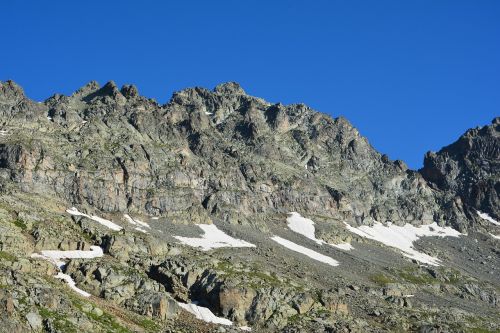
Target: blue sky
[(410, 75)]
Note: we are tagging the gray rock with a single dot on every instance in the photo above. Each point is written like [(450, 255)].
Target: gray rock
[(34, 320), (97, 312)]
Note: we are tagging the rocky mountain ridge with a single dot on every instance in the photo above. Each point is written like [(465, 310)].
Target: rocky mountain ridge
[(237, 161), (202, 145)]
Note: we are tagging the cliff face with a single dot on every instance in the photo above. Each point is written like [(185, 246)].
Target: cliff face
[(223, 154), (469, 169)]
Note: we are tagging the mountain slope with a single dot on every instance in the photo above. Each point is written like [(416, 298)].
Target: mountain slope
[(152, 172), (221, 153)]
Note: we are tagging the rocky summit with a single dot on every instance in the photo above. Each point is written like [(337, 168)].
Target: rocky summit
[(221, 212)]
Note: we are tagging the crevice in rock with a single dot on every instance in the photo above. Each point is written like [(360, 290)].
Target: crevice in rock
[(125, 180)]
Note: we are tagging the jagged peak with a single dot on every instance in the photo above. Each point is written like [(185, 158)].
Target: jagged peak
[(229, 88), (10, 87), (110, 88), (87, 89), (129, 90)]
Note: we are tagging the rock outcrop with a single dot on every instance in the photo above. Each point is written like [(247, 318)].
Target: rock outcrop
[(467, 172), (220, 154)]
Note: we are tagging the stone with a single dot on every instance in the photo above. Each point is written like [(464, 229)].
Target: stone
[(97, 312), (87, 307), (304, 303), (34, 320), (9, 305), (236, 302)]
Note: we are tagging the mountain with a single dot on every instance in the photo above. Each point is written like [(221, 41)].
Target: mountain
[(221, 206)]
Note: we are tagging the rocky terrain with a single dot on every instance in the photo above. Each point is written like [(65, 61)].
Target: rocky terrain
[(221, 212)]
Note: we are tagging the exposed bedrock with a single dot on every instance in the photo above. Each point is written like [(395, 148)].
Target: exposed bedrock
[(224, 154)]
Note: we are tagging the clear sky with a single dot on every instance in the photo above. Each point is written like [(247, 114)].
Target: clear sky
[(410, 75)]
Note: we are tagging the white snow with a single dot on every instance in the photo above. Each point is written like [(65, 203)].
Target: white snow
[(305, 251), (106, 223), (208, 113), (403, 237), (56, 262), (50, 118), (129, 219), (141, 230), (245, 328), (302, 226), (213, 238), (494, 236), (3, 132), (55, 257), (306, 228), (155, 218), (204, 314), (486, 217), (136, 222), (100, 220), (343, 246), (71, 283)]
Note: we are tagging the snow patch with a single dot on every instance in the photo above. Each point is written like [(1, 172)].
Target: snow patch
[(306, 228), (208, 113), (488, 218), (136, 222), (343, 246), (100, 220), (302, 226), (305, 251), (204, 314), (403, 237), (494, 236), (213, 238), (55, 256), (3, 133), (71, 283)]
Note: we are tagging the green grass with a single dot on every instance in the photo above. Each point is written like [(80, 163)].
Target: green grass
[(254, 274), (482, 330), (381, 279), (7, 256), (107, 321), (149, 325), (20, 224), (294, 318), (60, 321), (415, 278)]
